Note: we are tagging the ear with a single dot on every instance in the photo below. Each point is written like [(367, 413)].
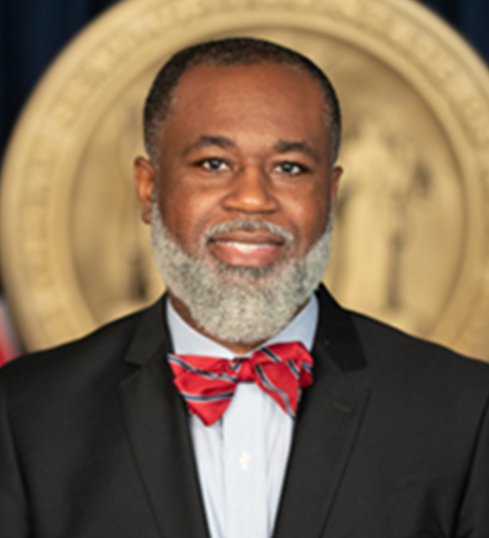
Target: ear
[(335, 183), (144, 175)]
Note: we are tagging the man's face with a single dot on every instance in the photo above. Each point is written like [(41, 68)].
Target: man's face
[(243, 142)]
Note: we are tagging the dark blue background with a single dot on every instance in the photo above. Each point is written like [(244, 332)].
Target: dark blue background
[(32, 32)]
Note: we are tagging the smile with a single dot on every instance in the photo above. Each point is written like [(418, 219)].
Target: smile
[(246, 248)]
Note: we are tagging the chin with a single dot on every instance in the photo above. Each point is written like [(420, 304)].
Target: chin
[(238, 304)]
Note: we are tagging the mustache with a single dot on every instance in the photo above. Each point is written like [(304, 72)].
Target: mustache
[(249, 225)]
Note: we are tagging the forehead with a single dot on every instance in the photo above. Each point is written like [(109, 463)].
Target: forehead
[(244, 96)]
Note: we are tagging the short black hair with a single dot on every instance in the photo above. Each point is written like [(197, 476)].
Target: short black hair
[(227, 52)]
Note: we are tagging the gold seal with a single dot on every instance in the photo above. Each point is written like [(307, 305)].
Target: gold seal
[(411, 226)]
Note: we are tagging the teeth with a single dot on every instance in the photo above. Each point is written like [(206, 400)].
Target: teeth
[(247, 248)]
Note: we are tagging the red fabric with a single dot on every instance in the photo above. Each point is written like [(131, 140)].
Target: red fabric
[(208, 384), (7, 348)]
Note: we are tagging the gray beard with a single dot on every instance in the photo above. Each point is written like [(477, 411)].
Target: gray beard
[(239, 305)]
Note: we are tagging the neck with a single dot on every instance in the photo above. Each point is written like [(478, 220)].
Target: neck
[(236, 347)]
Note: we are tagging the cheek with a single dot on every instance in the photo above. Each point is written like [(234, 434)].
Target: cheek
[(308, 217), (187, 212)]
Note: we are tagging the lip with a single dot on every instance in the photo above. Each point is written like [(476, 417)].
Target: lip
[(247, 249)]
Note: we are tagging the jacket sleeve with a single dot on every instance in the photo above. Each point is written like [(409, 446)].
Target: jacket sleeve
[(14, 515), (473, 521)]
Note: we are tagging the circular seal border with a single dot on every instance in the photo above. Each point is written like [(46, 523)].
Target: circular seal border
[(37, 269)]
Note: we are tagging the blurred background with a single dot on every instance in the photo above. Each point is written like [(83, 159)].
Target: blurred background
[(34, 32)]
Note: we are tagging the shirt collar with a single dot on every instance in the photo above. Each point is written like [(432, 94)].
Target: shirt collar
[(187, 340)]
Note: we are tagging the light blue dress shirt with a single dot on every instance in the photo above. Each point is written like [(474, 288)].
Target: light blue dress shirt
[(242, 458)]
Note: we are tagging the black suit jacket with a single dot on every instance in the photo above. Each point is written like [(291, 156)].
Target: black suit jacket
[(391, 440)]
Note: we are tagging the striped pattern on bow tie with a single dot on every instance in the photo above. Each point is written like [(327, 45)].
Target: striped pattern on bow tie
[(208, 384)]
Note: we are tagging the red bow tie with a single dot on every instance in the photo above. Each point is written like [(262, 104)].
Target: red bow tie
[(207, 384)]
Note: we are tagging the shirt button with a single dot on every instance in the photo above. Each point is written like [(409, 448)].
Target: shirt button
[(244, 460)]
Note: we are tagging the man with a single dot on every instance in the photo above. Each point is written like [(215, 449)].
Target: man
[(205, 415)]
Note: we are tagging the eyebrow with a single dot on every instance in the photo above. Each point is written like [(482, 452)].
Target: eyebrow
[(284, 146), (210, 140)]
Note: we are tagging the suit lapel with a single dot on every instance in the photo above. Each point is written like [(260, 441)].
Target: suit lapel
[(328, 422), (157, 426)]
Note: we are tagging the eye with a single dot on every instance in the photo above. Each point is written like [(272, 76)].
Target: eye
[(213, 164), (291, 168)]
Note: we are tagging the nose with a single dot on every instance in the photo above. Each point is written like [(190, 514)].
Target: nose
[(251, 191)]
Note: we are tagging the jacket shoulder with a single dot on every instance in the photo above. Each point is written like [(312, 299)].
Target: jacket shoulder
[(398, 354), (104, 348)]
